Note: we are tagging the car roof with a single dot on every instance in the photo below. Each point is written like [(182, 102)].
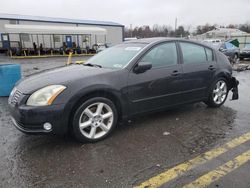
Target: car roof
[(150, 40), (164, 39)]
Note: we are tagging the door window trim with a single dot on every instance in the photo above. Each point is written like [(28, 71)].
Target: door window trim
[(212, 54)]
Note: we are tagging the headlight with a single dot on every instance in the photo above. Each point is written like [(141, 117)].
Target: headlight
[(45, 96)]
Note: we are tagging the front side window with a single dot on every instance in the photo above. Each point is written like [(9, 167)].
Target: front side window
[(161, 55), (193, 53)]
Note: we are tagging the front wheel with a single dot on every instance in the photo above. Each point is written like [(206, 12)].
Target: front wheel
[(218, 93), (94, 120)]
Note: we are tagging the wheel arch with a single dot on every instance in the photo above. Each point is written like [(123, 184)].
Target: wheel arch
[(226, 74), (106, 93)]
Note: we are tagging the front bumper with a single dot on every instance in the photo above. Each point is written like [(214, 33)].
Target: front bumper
[(31, 120)]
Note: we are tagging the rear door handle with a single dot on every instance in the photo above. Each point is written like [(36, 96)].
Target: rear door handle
[(175, 73), (211, 67)]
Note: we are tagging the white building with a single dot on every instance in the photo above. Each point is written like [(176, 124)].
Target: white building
[(23, 31), (224, 34)]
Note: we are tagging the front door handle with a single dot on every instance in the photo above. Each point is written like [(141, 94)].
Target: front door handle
[(211, 67), (175, 73)]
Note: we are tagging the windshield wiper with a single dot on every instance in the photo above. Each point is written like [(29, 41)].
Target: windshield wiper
[(92, 65)]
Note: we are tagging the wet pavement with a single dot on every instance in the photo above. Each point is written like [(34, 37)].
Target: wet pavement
[(135, 151)]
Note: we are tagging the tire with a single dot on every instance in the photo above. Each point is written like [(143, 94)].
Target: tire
[(94, 120), (218, 90)]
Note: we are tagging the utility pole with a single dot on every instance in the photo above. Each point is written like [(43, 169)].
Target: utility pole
[(131, 32), (175, 26)]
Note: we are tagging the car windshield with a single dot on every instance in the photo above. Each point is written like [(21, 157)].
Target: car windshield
[(229, 45), (116, 57)]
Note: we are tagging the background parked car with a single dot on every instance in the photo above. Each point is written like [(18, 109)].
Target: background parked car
[(227, 48), (101, 46), (245, 52)]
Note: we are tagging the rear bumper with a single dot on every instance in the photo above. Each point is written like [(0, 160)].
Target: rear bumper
[(234, 88)]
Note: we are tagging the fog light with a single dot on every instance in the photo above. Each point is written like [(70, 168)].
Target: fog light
[(47, 126)]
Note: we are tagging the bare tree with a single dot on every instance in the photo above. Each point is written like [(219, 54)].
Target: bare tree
[(156, 31)]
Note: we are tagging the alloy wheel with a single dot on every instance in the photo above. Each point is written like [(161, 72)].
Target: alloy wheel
[(96, 120), (220, 92)]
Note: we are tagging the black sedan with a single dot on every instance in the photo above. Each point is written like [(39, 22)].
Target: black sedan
[(121, 82)]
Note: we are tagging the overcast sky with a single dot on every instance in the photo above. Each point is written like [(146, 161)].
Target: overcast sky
[(137, 12)]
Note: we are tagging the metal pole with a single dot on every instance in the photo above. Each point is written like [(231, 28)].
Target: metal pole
[(54, 41), (50, 38), (37, 40), (31, 39), (20, 39), (44, 45), (38, 45), (175, 26), (90, 40), (131, 31), (77, 36)]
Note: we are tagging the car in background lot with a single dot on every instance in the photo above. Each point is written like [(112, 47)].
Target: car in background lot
[(227, 48), (245, 52), (121, 82), (213, 41), (230, 50), (101, 46)]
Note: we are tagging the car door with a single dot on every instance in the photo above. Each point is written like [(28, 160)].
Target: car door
[(199, 67), (159, 86)]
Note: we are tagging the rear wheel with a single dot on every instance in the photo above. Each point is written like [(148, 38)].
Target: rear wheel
[(94, 120), (218, 93)]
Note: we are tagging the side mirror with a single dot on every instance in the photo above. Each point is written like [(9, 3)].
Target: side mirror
[(142, 67)]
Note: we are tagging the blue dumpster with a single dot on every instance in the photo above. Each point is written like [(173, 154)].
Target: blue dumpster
[(9, 75)]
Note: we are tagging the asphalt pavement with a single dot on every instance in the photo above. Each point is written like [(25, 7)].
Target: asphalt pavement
[(187, 146)]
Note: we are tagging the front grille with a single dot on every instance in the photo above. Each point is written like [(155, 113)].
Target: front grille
[(14, 96)]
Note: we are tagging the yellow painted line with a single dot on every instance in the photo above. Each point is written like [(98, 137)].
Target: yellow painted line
[(80, 62), (180, 169), (219, 172)]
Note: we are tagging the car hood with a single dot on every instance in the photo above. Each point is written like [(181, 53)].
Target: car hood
[(59, 76)]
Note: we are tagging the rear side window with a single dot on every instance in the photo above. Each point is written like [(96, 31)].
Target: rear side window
[(193, 53), (209, 53)]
